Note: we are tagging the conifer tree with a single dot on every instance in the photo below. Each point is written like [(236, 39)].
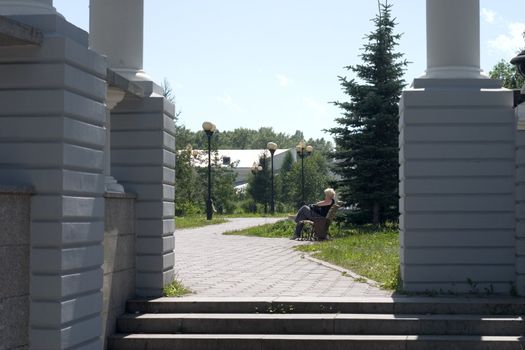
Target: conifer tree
[(367, 132)]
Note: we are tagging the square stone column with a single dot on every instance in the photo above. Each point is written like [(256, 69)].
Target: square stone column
[(520, 200), (143, 161), (142, 139), (457, 165), (457, 186), (52, 138)]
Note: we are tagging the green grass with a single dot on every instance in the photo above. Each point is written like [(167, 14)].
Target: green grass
[(255, 215), (176, 289), (370, 252), (197, 221), (367, 250), (278, 230), (192, 221)]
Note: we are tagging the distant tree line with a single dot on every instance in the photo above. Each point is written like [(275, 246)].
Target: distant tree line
[(243, 138)]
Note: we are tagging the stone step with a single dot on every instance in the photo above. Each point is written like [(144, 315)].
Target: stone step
[(370, 305), (310, 342), (362, 324)]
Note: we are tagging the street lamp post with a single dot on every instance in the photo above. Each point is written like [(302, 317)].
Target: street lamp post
[(303, 151), (189, 151), (209, 128), (272, 147)]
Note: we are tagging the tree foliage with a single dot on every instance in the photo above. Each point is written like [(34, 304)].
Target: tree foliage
[(259, 184), (285, 193), (367, 132), (223, 179), (243, 138), (508, 74), (316, 179), (287, 183), (189, 192)]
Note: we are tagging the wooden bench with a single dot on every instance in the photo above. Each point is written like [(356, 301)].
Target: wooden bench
[(317, 229)]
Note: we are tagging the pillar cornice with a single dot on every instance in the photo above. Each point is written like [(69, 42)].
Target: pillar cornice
[(114, 96)]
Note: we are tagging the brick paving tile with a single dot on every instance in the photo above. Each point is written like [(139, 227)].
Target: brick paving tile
[(214, 265)]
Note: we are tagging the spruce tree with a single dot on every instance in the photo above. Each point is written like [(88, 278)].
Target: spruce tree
[(367, 133)]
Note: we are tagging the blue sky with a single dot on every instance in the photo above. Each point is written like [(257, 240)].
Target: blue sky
[(253, 63)]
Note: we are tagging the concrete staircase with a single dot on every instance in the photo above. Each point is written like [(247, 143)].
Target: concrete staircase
[(332, 323)]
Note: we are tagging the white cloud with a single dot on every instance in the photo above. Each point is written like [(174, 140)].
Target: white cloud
[(227, 100), (315, 105), (509, 43), (488, 16), (284, 81)]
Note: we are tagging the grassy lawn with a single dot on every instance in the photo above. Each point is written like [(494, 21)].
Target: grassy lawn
[(255, 215), (197, 221), (369, 251), (192, 221), (278, 230)]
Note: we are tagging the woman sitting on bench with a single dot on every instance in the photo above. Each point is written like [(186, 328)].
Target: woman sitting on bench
[(309, 212)]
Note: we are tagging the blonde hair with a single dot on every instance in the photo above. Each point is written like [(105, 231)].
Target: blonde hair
[(329, 192)]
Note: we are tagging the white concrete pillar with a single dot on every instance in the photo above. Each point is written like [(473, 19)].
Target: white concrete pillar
[(26, 7), (116, 30), (453, 39)]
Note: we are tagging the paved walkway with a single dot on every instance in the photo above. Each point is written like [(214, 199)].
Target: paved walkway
[(215, 265)]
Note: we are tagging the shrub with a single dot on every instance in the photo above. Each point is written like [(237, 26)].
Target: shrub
[(187, 209), (249, 206)]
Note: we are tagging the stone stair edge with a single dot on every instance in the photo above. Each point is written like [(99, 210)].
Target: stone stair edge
[(485, 306), (321, 337), (317, 316), (320, 300)]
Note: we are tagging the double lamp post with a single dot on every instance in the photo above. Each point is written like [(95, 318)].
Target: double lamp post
[(303, 151), (209, 128), (272, 147)]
